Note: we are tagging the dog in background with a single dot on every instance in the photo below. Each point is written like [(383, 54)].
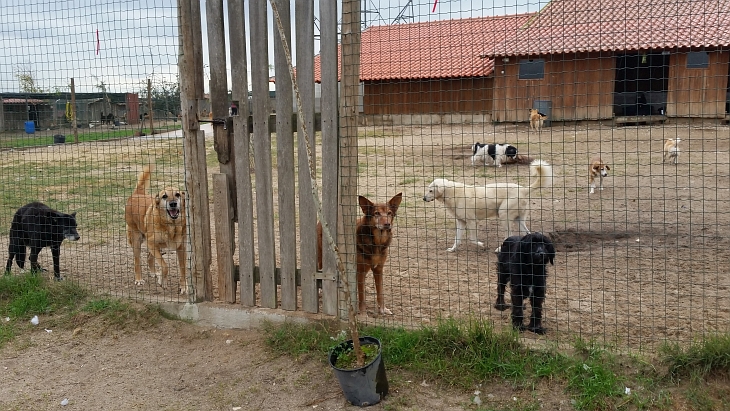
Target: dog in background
[(159, 220), (522, 262), (537, 119), (499, 153), (37, 226), (469, 204), (598, 169), (671, 149), (373, 236)]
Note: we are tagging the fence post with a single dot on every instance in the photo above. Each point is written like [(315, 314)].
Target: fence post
[(241, 148), (262, 151), (73, 111), (304, 11), (330, 151), (191, 91)]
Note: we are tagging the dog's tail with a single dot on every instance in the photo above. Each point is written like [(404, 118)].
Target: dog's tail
[(541, 174), (143, 182)]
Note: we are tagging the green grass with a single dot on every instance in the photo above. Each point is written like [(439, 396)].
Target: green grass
[(18, 140), (466, 354), (64, 304)]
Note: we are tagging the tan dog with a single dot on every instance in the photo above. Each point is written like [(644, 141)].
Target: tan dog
[(536, 119), (598, 169), (373, 237), (671, 149), (161, 221)]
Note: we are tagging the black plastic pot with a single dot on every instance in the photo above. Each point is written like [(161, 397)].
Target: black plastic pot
[(362, 386), (59, 139)]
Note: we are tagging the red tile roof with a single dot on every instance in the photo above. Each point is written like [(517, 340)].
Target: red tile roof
[(437, 49), (570, 26)]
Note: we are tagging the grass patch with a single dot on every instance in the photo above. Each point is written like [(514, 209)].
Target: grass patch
[(466, 354), (18, 140), (65, 304)]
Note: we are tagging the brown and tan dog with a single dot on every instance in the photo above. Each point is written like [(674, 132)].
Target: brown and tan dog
[(598, 169), (671, 149), (160, 220), (536, 119), (373, 237)]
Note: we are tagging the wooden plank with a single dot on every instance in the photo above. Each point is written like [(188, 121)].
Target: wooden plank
[(224, 235), (656, 118), (304, 11), (200, 286), (241, 149), (262, 151), (348, 142), (285, 160), (330, 151)]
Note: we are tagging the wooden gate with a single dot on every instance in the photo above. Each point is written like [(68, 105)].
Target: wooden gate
[(243, 192)]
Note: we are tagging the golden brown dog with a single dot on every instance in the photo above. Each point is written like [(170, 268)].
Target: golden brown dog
[(160, 220), (373, 237), (671, 149), (536, 119), (598, 169)]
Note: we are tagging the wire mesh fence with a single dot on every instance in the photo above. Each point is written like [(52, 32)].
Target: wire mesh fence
[(641, 256)]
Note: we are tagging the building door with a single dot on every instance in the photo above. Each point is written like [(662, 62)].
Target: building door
[(642, 81)]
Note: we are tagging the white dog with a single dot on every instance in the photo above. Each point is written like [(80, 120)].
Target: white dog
[(469, 204), (499, 153)]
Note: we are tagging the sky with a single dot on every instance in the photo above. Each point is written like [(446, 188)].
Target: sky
[(119, 44)]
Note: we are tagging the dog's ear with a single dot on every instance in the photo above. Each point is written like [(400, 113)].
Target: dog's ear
[(394, 202), (365, 205), (73, 214)]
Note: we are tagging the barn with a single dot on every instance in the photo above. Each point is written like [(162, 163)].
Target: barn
[(430, 72), (616, 59)]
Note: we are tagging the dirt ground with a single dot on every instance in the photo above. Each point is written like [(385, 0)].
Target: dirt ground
[(177, 366), (643, 261)]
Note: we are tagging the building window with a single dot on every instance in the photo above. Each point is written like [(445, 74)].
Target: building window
[(532, 69), (698, 60)]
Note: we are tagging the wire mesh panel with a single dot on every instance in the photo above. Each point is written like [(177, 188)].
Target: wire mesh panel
[(641, 255), (89, 96)]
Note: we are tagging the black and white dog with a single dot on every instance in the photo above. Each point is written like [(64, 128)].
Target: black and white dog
[(36, 225), (497, 152), (523, 263)]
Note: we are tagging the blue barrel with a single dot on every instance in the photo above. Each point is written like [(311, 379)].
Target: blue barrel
[(30, 127)]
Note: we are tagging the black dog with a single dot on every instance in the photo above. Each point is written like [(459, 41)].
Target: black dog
[(523, 263), (36, 225)]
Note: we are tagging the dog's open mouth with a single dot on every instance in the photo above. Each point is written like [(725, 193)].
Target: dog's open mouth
[(174, 213)]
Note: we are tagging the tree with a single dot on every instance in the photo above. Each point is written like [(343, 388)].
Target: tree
[(166, 96), (26, 80)]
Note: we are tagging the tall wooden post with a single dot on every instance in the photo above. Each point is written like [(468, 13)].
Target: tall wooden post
[(149, 105), (348, 139), (73, 111), (191, 92)]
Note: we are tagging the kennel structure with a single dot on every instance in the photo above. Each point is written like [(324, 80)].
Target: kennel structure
[(622, 59)]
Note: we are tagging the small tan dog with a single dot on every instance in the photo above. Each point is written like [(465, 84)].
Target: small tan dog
[(671, 149), (598, 169), (536, 119), (160, 220)]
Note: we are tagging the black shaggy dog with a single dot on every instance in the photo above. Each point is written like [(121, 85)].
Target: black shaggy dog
[(523, 263), (36, 225)]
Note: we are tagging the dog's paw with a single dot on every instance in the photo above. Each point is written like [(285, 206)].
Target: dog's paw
[(480, 244), (184, 290), (386, 311), (537, 330), (600, 188), (138, 282), (501, 306), (451, 249), (498, 249)]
